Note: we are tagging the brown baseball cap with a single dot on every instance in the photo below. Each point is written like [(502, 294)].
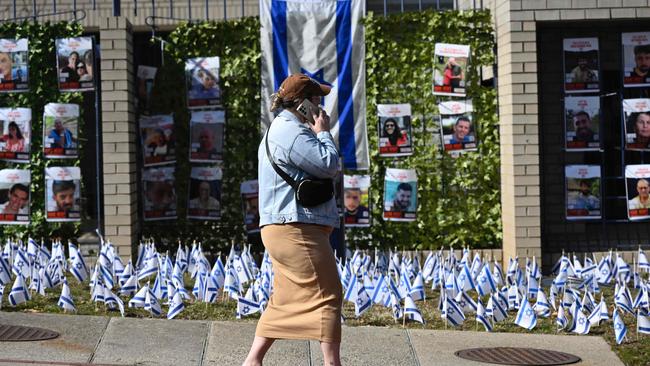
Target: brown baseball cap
[(301, 85)]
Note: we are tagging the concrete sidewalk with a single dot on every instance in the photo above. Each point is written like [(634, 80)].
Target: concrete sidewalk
[(97, 340)]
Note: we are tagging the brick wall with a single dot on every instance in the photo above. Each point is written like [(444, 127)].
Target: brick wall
[(119, 134), (516, 23)]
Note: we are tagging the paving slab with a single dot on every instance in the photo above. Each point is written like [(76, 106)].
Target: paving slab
[(78, 337), (438, 347), (370, 346), (229, 343), (129, 341)]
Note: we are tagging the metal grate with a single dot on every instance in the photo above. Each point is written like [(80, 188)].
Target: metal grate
[(517, 356), (16, 333)]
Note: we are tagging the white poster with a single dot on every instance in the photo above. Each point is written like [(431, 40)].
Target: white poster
[(75, 63), (636, 59), (581, 65), (60, 131), (637, 183), (202, 79), (158, 139), (250, 200), (583, 192), (159, 193), (63, 194), (395, 136), (582, 123), (637, 124), (400, 194), (14, 196), (14, 65), (16, 127), (457, 126), (356, 200), (205, 194), (450, 67), (206, 136)]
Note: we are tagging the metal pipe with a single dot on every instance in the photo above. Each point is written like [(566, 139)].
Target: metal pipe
[(385, 7), (171, 9), (189, 10), (242, 8), (53, 6), (15, 13), (135, 8), (34, 10), (207, 10), (225, 10), (98, 145), (117, 11)]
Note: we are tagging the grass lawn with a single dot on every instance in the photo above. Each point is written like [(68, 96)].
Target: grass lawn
[(632, 352)]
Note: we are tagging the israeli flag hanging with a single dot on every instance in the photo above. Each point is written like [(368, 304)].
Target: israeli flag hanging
[(323, 39)]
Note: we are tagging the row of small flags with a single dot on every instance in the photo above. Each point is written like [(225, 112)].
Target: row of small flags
[(385, 279)]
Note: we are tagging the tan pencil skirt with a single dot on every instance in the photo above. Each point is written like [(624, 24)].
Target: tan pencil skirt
[(307, 295)]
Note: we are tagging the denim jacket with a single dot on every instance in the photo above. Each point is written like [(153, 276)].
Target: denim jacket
[(300, 153)]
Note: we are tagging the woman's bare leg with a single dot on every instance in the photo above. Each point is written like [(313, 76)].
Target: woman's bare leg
[(331, 353), (258, 349)]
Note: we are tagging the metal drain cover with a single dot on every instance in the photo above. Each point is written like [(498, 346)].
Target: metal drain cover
[(17, 333), (517, 356)]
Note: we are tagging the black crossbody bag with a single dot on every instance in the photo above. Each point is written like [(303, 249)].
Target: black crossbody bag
[(309, 192)]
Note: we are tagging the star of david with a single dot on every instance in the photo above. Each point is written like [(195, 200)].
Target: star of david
[(604, 271), (384, 289), (238, 268), (619, 326), (529, 312), (484, 279), (462, 303), (78, 265), (20, 264), (266, 285), (401, 283), (461, 277), (1, 269), (450, 311), (359, 302), (246, 309), (581, 321)]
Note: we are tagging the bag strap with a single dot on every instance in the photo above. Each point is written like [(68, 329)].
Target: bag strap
[(277, 169)]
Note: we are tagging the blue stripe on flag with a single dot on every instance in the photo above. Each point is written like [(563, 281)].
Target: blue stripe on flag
[(280, 58), (344, 65)]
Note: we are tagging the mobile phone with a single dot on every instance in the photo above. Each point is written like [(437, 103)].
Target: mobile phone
[(307, 109)]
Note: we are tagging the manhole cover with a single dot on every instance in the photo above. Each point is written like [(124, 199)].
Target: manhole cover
[(517, 356), (16, 333)]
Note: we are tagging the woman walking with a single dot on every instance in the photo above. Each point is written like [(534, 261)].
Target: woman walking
[(307, 295)]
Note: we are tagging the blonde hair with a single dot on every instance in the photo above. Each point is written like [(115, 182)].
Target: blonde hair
[(278, 102)]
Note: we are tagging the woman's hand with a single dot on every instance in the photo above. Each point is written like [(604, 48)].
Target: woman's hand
[(321, 122)]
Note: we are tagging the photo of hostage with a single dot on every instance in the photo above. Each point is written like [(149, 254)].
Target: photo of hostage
[(642, 61), (204, 200), (584, 199), (307, 298), (69, 71), (82, 72), (453, 73), (582, 73), (6, 65), (252, 213), (402, 199), (641, 124), (62, 200), (642, 200), (156, 142), (61, 137), (17, 200), (395, 135), (582, 127), (207, 141), (14, 139), (352, 203), (160, 195), (204, 85), (461, 131)]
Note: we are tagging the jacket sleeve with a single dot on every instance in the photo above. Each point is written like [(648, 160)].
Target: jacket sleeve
[(316, 155)]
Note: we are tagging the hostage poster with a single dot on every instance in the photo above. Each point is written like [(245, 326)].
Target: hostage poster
[(158, 139), (400, 194), (63, 194), (583, 193), (450, 67), (395, 137), (60, 131), (159, 194), (250, 201), (14, 66), (206, 136), (581, 67), (356, 200), (16, 127), (74, 58), (205, 194), (202, 78), (582, 123), (14, 196)]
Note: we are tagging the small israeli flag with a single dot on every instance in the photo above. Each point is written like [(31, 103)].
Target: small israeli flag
[(246, 307), (65, 300), (411, 311), (138, 300), (381, 294), (78, 268), (620, 330), (151, 304), (452, 313), (482, 317), (542, 306), (643, 323), (130, 286), (561, 320), (176, 305), (5, 272), (643, 262), (362, 301), (18, 294), (485, 283), (580, 322), (417, 289), (526, 317)]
